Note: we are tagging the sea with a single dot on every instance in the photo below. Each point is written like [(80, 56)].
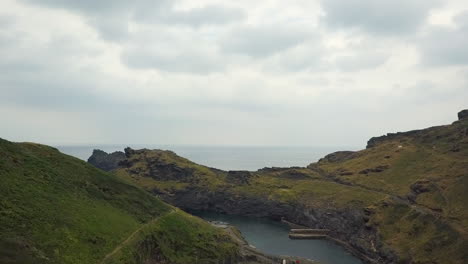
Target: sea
[(225, 157)]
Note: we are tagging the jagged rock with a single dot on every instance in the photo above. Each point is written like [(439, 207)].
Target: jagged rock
[(462, 115), (294, 174), (421, 186), (278, 169), (129, 152), (154, 164), (377, 169), (238, 177), (104, 161), (391, 136), (338, 156)]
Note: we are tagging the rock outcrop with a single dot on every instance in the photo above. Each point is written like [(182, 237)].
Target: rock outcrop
[(463, 115), (105, 161), (338, 156), (238, 177)]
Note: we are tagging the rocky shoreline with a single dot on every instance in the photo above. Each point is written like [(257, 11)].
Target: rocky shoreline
[(347, 228), (400, 200)]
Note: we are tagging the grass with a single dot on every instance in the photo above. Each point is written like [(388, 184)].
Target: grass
[(310, 192), (431, 229), (58, 209), (196, 242), (419, 237)]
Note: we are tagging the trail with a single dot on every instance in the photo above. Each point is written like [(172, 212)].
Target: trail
[(132, 235)]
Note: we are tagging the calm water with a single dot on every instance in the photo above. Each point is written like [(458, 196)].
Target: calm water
[(226, 158), (272, 237)]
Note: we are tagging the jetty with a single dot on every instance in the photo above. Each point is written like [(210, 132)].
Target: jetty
[(307, 233)]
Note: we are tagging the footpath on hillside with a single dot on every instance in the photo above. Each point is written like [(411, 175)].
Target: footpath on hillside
[(132, 235)]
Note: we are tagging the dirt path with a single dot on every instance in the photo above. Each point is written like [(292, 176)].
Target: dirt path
[(132, 235)]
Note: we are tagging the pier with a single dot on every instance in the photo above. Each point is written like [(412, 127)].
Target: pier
[(306, 233)]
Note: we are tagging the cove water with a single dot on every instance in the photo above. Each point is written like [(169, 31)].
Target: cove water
[(225, 157), (272, 238), (268, 236)]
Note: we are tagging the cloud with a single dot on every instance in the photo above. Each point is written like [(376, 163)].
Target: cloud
[(308, 56), (379, 17), (361, 61), (206, 15), (182, 71), (444, 46), (112, 18), (263, 40), (197, 61)]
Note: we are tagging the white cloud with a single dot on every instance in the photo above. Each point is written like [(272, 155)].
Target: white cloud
[(444, 45)]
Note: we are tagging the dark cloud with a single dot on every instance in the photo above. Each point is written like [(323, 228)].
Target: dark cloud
[(263, 41), (377, 16), (444, 46), (111, 18), (103, 7)]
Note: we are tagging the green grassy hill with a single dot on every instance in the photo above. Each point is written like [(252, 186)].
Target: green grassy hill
[(58, 209), (404, 199)]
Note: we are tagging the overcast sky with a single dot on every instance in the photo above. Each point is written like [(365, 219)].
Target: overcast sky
[(214, 72)]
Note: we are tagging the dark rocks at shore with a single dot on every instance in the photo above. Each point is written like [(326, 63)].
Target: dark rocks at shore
[(348, 227), (104, 161)]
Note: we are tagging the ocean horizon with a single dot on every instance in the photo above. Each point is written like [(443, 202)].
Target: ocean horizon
[(224, 157)]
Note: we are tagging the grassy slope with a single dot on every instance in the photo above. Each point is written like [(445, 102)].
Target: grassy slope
[(57, 209), (311, 187), (435, 226), (431, 229)]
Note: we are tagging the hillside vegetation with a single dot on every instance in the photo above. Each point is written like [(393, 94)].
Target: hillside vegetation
[(404, 199), (58, 209)]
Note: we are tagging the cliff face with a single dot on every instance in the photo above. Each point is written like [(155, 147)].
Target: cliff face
[(404, 199), (105, 161), (348, 225)]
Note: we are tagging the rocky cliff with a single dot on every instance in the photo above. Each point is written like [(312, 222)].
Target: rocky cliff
[(106, 161), (404, 199)]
